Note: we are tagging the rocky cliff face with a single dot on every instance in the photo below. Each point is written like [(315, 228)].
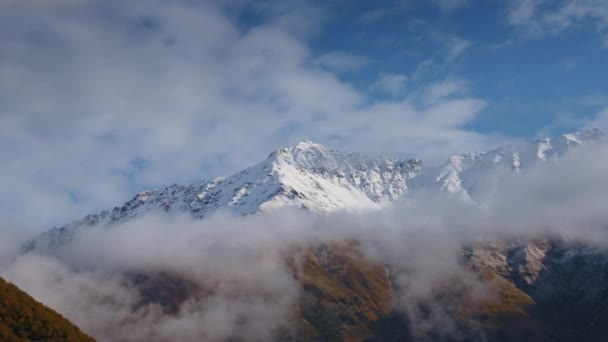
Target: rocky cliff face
[(566, 281)]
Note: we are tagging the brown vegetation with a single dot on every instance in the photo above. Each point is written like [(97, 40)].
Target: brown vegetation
[(24, 319), (343, 294)]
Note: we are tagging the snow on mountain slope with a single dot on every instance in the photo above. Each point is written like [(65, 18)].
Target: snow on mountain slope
[(307, 176), (475, 175), (313, 177)]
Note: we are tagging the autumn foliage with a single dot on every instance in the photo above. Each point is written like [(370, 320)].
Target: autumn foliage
[(24, 319)]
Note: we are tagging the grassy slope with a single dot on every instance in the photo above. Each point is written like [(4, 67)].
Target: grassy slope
[(507, 313), (347, 297), (343, 294)]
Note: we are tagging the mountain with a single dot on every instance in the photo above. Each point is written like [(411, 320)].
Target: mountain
[(566, 282), (22, 318), (475, 175), (307, 176), (542, 287), (312, 177)]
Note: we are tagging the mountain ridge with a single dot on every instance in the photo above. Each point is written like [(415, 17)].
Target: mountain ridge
[(312, 177), (542, 287)]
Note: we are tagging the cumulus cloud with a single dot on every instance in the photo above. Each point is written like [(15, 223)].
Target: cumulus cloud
[(102, 98)]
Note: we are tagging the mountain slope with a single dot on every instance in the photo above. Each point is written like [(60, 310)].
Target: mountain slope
[(476, 175), (568, 281), (24, 319), (307, 176), (542, 288), (312, 177)]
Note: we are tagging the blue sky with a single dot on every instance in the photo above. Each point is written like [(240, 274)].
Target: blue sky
[(534, 84), (102, 99)]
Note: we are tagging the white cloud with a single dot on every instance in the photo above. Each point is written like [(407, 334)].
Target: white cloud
[(522, 11), (341, 61), (599, 121), (538, 18), (456, 47), (94, 107), (438, 92), (422, 68), (392, 84)]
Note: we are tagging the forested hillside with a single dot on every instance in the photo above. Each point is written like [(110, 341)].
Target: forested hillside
[(22, 318)]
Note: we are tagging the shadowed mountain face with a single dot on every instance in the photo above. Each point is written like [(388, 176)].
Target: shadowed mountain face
[(22, 318), (345, 296), (567, 283), (560, 294)]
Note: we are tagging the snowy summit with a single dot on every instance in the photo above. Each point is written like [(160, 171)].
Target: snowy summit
[(319, 179)]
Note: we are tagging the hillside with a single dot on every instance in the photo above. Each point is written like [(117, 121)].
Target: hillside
[(22, 318)]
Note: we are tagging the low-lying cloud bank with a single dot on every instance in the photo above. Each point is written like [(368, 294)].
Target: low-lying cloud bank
[(242, 285)]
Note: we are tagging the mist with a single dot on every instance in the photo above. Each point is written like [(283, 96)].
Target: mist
[(242, 287)]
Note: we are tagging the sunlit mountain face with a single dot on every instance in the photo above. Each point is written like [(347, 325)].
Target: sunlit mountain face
[(303, 170)]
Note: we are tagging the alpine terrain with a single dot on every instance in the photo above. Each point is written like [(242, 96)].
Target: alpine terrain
[(542, 287)]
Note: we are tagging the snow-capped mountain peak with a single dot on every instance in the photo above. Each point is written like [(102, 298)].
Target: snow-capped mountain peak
[(316, 178), (323, 180), (307, 175)]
